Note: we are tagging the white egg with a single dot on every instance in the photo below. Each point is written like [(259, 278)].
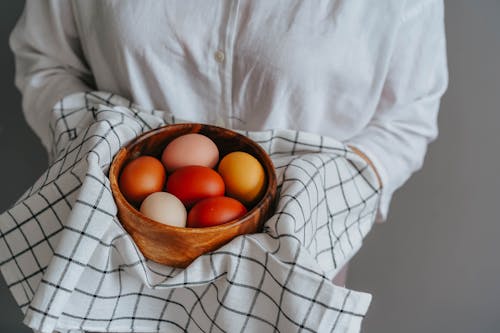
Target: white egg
[(165, 208)]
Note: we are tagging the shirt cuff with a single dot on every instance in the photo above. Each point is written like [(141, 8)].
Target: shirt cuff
[(385, 191)]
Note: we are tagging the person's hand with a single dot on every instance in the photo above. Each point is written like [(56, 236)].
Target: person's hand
[(363, 156)]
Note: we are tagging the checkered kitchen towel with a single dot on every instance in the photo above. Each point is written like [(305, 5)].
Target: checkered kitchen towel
[(71, 266)]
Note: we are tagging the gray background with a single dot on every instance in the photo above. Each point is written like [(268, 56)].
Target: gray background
[(434, 266)]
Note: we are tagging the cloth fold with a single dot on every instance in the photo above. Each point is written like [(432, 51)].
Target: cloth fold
[(71, 266)]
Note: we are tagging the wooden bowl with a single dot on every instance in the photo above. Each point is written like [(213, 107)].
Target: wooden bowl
[(176, 246)]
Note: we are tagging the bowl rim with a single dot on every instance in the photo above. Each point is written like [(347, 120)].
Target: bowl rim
[(115, 189)]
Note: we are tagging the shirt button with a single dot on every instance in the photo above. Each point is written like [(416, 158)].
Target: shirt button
[(219, 56)]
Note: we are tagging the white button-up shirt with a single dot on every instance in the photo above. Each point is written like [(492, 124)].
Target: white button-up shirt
[(369, 74)]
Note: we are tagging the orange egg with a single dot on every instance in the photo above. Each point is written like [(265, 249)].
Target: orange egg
[(243, 176), (141, 177)]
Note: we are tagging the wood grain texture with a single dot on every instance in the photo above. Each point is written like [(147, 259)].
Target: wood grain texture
[(176, 246)]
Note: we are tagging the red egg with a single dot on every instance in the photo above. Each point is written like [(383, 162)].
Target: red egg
[(193, 183), (214, 211), (141, 177)]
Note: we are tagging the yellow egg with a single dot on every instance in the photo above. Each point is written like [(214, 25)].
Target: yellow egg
[(243, 176)]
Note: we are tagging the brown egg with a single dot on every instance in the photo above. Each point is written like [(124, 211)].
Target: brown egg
[(141, 177)]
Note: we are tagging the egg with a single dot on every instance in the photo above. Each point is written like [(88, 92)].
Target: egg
[(141, 177), (165, 208), (190, 149), (193, 183), (243, 176), (214, 211)]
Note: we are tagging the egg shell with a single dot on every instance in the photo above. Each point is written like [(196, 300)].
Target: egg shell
[(165, 208), (141, 177), (214, 211), (190, 149), (243, 176), (193, 183)]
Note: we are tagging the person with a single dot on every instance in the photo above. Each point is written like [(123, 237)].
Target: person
[(370, 75)]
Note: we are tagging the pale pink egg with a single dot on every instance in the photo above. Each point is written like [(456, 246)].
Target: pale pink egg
[(190, 149)]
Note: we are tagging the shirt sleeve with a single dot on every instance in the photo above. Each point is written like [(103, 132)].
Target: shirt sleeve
[(405, 121), (49, 61)]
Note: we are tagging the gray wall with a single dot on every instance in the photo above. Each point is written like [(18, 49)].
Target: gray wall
[(22, 160), (433, 267)]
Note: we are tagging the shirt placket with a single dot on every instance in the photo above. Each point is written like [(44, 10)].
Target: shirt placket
[(223, 55)]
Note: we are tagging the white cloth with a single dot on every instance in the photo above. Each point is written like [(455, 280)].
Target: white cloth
[(370, 75), (71, 266)]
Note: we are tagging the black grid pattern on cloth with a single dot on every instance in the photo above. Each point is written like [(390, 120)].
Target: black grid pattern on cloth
[(71, 266)]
